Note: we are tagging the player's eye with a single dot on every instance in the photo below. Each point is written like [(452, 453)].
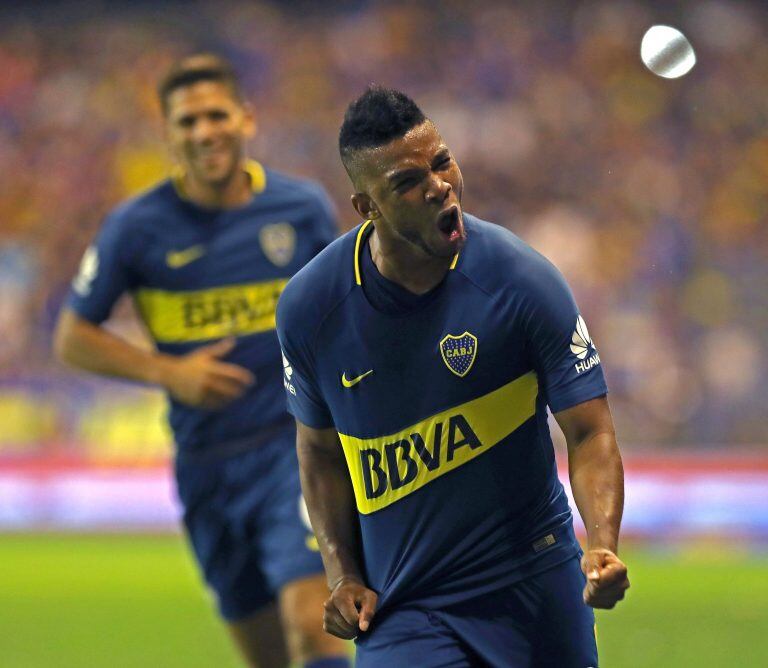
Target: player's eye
[(443, 163), (218, 115), (406, 184), (186, 121)]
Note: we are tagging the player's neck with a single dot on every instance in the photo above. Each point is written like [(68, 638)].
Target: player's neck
[(234, 192), (407, 265)]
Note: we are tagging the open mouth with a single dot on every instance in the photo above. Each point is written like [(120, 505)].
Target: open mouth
[(213, 156), (449, 224)]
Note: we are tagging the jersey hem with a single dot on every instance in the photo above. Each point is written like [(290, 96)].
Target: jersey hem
[(571, 399), (94, 320), (314, 424), (528, 570)]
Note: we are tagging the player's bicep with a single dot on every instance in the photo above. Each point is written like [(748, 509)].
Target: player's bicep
[(582, 421), (69, 334), (312, 442)]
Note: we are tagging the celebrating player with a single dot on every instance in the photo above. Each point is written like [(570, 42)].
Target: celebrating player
[(422, 350), (205, 256)]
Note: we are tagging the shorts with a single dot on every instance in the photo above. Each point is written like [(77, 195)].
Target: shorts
[(539, 622), (247, 523)]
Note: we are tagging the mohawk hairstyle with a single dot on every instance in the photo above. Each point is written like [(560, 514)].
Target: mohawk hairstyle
[(195, 68), (378, 116)]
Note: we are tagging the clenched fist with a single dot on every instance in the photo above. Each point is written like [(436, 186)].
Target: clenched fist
[(606, 578)]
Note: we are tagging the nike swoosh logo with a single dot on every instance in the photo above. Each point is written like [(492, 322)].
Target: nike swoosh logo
[(354, 381), (178, 259)]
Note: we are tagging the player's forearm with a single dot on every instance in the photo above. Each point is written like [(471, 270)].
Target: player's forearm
[(597, 482), (89, 347), (335, 525), (331, 504)]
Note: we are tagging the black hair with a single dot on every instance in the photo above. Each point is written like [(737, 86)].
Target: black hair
[(199, 67), (375, 118)]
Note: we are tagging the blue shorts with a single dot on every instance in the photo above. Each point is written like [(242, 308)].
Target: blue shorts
[(540, 622), (246, 522)]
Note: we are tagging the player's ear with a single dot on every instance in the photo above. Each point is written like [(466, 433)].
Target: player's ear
[(250, 125), (365, 206)]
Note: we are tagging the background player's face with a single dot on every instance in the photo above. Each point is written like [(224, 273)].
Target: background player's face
[(207, 128), (415, 186)]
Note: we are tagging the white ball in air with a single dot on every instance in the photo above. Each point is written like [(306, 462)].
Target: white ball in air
[(666, 52)]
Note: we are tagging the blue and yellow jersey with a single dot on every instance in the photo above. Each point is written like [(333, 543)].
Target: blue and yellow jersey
[(440, 403), (198, 275)]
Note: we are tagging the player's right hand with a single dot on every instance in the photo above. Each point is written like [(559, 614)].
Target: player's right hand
[(349, 610), (607, 580), (200, 379)]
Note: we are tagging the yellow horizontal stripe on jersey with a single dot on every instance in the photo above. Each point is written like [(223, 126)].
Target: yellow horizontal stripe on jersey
[(387, 468), (199, 315)]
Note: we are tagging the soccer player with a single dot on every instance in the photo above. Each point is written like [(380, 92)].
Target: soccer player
[(422, 350), (205, 256)]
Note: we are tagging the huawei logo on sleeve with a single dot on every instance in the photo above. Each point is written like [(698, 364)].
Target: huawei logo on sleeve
[(89, 267), (581, 346), (287, 373)]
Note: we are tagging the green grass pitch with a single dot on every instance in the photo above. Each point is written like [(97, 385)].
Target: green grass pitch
[(136, 601)]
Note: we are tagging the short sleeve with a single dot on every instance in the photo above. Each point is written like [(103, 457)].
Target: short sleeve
[(304, 397), (103, 275), (565, 358)]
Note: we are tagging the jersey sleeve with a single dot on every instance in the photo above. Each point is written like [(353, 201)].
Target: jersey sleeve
[(104, 274), (305, 399), (564, 356)]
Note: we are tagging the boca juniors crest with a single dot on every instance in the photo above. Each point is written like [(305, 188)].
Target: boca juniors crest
[(278, 241), (459, 352)]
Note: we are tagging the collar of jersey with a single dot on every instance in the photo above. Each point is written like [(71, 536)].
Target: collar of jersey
[(362, 233), (254, 170)]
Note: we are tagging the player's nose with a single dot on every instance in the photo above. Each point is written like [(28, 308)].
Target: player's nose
[(437, 189), (204, 131)]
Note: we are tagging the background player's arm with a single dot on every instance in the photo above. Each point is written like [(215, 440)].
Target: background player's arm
[(332, 512), (198, 379), (597, 481)]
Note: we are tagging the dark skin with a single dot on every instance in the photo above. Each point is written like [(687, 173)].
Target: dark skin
[(331, 504), (597, 482), (404, 187)]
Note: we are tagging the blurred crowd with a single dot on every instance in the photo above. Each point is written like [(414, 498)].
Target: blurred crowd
[(650, 195)]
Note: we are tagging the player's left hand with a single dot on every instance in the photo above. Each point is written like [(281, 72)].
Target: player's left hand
[(606, 578)]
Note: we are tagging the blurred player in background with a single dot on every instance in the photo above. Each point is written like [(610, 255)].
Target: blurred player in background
[(423, 349), (205, 256)]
